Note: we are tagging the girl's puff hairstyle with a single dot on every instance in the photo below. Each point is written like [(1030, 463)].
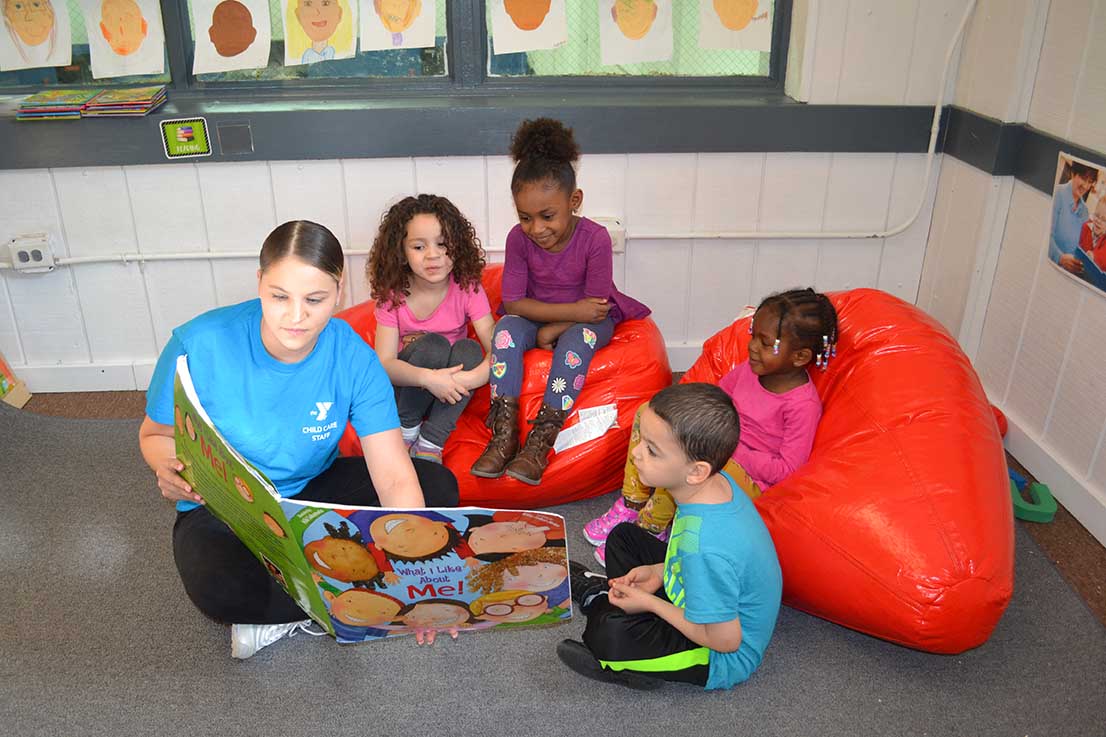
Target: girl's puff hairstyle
[(703, 419), (544, 149), (809, 319), (387, 270), (310, 242)]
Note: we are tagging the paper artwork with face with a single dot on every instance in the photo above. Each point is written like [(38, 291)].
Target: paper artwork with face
[(37, 35)]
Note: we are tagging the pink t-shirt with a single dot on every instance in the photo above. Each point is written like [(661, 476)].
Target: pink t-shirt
[(450, 319), (777, 430)]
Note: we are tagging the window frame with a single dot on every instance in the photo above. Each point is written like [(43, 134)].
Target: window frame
[(466, 54)]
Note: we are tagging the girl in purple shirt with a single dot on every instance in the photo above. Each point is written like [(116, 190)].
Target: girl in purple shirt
[(558, 293)]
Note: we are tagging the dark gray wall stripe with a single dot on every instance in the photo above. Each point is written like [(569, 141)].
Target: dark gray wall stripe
[(1005, 149), (986, 143), (474, 125)]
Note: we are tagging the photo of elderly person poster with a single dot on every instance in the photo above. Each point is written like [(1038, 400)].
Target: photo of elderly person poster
[(124, 37), (37, 35), (1077, 231), (230, 34)]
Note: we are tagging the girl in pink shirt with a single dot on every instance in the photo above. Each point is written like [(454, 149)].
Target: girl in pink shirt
[(776, 402), (424, 270)]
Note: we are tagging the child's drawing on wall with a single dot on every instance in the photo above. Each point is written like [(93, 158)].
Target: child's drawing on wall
[(37, 35), (319, 30), (230, 34), (527, 25), (632, 31), (124, 37), (398, 24), (736, 24)]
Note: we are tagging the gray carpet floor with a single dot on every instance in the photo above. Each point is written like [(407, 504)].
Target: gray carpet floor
[(101, 640)]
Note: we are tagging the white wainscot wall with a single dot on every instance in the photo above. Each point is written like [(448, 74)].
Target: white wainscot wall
[(1040, 358), (100, 326)]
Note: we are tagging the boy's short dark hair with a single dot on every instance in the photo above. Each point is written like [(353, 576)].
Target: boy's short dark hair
[(702, 418)]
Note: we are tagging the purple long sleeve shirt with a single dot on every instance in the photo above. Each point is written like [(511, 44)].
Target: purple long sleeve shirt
[(583, 269)]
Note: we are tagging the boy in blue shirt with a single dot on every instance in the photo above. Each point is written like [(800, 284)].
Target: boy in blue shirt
[(701, 609)]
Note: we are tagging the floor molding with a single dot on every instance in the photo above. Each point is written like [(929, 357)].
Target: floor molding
[(1085, 502)]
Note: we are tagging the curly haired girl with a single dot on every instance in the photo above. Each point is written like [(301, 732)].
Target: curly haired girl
[(424, 271)]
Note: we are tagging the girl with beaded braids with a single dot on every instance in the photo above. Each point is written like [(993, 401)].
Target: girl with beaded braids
[(776, 403), (558, 295)]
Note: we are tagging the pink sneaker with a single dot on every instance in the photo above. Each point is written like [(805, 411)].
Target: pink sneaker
[(601, 550), (597, 530)]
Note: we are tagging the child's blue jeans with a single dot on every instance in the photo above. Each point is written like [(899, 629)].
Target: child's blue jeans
[(572, 355)]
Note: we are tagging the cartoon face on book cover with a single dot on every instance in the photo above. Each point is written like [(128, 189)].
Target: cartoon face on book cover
[(388, 572)]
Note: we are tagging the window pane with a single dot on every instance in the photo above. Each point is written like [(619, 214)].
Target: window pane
[(580, 56), (79, 72), (428, 62)]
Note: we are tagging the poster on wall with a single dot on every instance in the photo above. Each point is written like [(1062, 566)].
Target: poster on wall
[(230, 34), (744, 25), (397, 24), (528, 25), (1077, 233), (36, 34), (319, 30), (632, 31), (124, 37)]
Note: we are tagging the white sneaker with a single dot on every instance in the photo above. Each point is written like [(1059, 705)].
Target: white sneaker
[(247, 639)]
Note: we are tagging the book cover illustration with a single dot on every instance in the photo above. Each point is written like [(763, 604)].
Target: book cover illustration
[(1091, 272), (365, 573)]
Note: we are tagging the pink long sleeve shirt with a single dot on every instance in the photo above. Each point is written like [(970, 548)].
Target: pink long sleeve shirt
[(777, 430)]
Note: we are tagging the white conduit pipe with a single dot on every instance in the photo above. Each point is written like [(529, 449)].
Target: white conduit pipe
[(738, 235)]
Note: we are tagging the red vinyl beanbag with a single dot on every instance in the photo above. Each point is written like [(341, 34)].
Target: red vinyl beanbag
[(627, 372), (900, 524)]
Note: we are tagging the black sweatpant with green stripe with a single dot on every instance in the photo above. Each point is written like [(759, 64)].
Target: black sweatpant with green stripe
[(640, 642)]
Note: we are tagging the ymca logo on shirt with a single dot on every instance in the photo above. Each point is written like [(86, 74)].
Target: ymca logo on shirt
[(321, 429)]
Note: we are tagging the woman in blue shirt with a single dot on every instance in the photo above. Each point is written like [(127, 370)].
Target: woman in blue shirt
[(280, 379), (1069, 212)]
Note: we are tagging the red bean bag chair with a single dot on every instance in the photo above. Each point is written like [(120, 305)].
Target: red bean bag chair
[(900, 524), (629, 370)]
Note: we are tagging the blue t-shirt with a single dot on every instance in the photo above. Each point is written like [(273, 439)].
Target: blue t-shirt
[(721, 564), (285, 418), (1068, 217)]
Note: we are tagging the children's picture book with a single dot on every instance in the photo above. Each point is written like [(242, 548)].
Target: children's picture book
[(134, 101), (12, 390), (365, 573), (1092, 274)]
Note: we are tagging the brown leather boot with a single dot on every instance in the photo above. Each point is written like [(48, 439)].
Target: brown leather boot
[(503, 422), (530, 463)]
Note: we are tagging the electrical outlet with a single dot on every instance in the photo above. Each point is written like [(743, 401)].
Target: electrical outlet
[(31, 253), (617, 232)]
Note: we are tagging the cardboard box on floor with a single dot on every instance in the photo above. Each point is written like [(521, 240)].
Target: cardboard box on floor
[(12, 390)]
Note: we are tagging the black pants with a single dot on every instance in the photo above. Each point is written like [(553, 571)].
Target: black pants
[(615, 637), (227, 583), (414, 403)]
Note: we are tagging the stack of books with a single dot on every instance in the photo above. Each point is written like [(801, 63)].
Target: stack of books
[(134, 102), (55, 105)]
